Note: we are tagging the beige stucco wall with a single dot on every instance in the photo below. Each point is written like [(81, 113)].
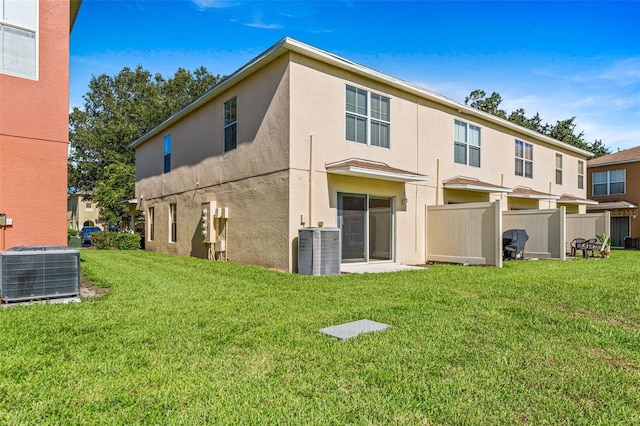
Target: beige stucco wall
[(252, 180), (291, 124), (421, 142), (78, 213)]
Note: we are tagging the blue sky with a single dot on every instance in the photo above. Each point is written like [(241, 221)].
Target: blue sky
[(561, 59)]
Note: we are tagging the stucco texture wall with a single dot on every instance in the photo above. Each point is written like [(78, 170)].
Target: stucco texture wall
[(251, 180)]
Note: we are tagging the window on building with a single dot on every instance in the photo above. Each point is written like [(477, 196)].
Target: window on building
[(558, 169), (87, 206), (466, 143), (368, 117), (151, 220), (230, 125), (580, 174), (167, 153), (610, 182), (173, 222), (18, 38), (524, 159)]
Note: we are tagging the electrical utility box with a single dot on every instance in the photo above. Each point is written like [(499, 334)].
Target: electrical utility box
[(319, 251), (39, 272), (207, 224)]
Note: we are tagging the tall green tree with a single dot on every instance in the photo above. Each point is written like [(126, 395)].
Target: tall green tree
[(562, 130), (117, 110), (478, 99)]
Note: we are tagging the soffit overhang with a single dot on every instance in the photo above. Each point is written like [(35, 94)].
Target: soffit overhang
[(471, 184), (373, 170), (571, 199), (613, 205), (526, 192)]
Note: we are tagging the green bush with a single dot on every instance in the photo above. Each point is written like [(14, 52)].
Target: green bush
[(72, 232), (115, 241)]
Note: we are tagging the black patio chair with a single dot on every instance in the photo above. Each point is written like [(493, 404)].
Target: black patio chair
[(578, 244)]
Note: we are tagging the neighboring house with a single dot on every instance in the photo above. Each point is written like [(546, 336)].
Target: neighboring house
[(614, 181), (81, 211), (34, 120), (300, 137)]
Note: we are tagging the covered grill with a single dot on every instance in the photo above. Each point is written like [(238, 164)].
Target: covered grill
[(513, 242)]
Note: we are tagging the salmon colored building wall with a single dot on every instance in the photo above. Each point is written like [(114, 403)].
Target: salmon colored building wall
[(34, 117)]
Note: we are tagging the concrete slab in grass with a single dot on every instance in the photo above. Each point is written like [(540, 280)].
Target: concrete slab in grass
[(353, 329)]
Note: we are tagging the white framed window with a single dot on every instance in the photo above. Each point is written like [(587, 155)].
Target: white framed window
[(173, 223), (466, 143), (151, 221), (230, 124), (167, 153), (524, 159), (580, 174), (368, 117), (609, 182), (558, 169), (19, 38)]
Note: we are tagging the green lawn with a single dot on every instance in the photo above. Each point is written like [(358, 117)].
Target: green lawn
[(188, 341)]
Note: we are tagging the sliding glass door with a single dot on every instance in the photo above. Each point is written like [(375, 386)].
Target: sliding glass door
[(367, 226)]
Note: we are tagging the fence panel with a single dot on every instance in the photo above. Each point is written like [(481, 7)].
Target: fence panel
[(465, 233)]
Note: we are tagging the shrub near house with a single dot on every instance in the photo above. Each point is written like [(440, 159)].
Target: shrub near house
[(115, 241)]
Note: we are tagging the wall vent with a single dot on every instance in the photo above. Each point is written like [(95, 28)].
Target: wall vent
[(39, 272), (319, 251)]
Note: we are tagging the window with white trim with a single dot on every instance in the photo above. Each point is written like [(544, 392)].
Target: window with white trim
[(230, 124), (151, 220), (173, 223), (524, 159), (610, 182), (580, 174), (18, 38), (558, 169), (466, 143), (167, 153), (368, 117)]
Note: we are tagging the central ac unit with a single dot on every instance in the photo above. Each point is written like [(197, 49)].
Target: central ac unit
[(319, 251), (39, 272)]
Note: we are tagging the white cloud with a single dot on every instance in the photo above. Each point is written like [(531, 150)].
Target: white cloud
[(258, 23), (214, 4), (624, 72)]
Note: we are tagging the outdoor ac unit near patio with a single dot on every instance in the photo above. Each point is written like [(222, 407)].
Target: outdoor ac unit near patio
[(319, 251), (39, 272)]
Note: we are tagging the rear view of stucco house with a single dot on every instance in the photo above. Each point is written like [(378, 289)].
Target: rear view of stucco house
[(614, 181), (299, 137)]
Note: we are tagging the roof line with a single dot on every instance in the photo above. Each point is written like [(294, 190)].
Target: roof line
[(292, 45)]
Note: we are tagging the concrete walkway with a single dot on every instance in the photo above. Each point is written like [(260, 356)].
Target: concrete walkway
[(375, 268)]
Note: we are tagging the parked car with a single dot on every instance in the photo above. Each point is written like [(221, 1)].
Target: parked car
[(86, 232)]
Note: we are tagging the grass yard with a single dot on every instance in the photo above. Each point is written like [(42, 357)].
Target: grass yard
[(188, 341)]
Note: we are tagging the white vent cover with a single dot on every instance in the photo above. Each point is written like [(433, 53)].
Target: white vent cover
[(319, 251), (39, 272)]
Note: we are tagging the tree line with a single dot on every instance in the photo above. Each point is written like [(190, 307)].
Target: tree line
[(562, 130)]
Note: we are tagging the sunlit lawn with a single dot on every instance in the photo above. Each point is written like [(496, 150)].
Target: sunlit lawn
[(188, 341)]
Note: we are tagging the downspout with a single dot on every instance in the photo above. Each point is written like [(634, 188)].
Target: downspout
[(415, 212), (437, 181), (311, 180)]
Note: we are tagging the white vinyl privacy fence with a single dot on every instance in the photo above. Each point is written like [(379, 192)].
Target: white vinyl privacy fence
[(587, 226), (546, 230), (472, 233), (464, 233)]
